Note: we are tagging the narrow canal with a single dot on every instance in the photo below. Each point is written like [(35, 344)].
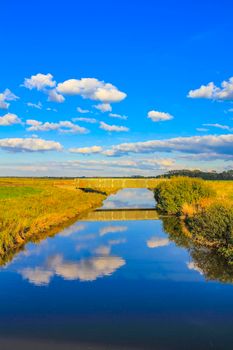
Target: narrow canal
[(108, 283)]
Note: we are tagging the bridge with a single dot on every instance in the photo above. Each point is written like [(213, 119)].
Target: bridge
[(116, 183), (121, 215)]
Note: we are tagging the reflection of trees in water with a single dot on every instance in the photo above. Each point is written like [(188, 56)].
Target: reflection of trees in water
[(211, 263), (172, 225)]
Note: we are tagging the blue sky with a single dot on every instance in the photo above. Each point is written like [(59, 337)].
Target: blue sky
[(115, 87)]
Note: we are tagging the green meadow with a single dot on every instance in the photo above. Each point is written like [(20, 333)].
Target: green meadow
[(31, 209)]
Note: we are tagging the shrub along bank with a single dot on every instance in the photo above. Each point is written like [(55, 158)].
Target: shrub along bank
[(172, 195), (208, 218)]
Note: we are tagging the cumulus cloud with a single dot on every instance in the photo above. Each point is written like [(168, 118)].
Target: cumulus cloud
[(62, 126), (9, 119), (86, 269), (29, 145), (104, 107), (6, 96), (91, 88), (80, 110), (54, 96), (86, 150), (119, 116), (35, 105), (211, 91), (86, 120), (156, 116), (37, 276), (221, 144), (39, 82), (155, 242), (111, 128), (46, 84)]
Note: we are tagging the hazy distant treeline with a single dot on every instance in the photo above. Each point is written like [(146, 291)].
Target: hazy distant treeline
[(225, 175)]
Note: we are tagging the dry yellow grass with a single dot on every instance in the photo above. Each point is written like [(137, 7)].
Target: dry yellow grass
[(224, 190), (224, 195), (30, 209), (117, 182)]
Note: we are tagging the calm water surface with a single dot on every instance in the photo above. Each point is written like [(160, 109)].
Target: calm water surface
[(123, 284)]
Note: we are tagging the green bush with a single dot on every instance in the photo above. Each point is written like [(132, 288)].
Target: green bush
[(214, 225), (172, 194)]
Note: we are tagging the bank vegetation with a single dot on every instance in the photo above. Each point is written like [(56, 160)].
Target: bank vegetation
[(205, 208)]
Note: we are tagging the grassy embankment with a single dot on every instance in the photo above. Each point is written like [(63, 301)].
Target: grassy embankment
[(32, 209), (205, 208)]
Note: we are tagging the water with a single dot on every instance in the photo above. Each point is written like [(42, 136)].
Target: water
[(117, 284)]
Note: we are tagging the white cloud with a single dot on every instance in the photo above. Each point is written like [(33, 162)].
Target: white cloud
[(35, 105), (205, 91), (90, 167), (104, 107), (5, 96), (77, 227), (51, 109), (156, 242), (112, 229), (156, 116), (221, 144), (211, 91), (110, 128), (119, 116), (29, 145), (91, 88), (9, 119), (220, 126), (39, 81), (54, 96), (86, 150), (86, 120), (103, 250), (80, 110), (62, 126), (4, 105), (37, 276), (86, 269)]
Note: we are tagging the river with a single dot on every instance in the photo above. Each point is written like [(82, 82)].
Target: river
[(121, 278)]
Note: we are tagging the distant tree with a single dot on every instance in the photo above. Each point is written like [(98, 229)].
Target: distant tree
[(213, 175)]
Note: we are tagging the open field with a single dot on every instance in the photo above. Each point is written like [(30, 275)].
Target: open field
[(117, 182), (223, 189), (30, 209)]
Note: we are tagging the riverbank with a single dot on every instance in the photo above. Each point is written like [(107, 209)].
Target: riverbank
[(204, 207), (32, 209)]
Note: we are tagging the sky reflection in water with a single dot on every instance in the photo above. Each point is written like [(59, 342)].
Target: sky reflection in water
[(116, 283)]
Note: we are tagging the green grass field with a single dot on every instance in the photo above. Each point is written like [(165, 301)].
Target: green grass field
[(31, 209)]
